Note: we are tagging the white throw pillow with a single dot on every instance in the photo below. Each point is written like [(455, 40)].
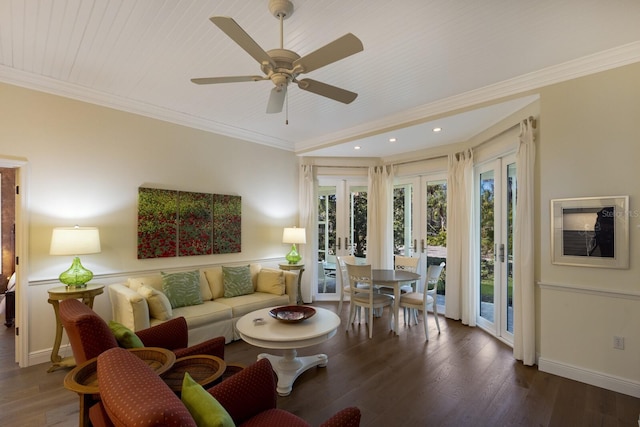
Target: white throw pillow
[(159, 305), (271, 281)]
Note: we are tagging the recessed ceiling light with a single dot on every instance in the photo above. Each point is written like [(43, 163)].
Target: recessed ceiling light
[(392, 139), (437, 129), (357, 147)]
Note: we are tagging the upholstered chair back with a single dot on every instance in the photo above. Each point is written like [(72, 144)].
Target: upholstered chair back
[(89, 335)]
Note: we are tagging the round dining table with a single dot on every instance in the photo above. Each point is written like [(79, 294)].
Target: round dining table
[(394, 279)]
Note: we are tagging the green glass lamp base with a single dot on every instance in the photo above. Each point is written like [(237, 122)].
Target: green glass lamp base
[(76, 276), (293, 257)]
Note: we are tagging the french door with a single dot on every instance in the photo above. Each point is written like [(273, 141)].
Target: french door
[(342, 224), (495, 210), (419, 222)]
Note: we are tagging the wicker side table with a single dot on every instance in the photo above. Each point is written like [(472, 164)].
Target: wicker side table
[(204, 370)]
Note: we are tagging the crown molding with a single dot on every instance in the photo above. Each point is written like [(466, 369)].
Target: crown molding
[(602, 61), (526, 83)]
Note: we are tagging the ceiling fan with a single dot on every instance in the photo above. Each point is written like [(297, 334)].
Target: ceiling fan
[(283, 66)]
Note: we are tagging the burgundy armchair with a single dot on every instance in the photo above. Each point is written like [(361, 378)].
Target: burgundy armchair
[(89, 335), (132, 394)]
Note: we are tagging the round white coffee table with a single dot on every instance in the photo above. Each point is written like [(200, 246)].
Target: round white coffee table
[(275, 334)]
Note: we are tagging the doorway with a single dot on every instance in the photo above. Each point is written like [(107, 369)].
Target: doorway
[(342, 228), (7, 262)]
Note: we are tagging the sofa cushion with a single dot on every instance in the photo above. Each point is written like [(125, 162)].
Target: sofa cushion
[(183, 288), (204, 314), (203, 407), (237, 281), (216, 281), (153, 281), (257, 300), (126, 337), (205, 291), (270, 281), (159, 304)]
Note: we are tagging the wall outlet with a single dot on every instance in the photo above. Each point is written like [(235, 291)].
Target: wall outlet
[(618, 343)]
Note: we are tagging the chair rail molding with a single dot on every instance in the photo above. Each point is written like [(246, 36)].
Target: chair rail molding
[(572, 287)]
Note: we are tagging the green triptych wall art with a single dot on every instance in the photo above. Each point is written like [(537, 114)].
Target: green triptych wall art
[(181, 223)]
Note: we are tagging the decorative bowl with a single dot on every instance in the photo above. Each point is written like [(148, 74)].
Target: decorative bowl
[(292, 313)]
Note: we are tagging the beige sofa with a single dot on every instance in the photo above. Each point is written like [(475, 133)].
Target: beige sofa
[(140, 302)]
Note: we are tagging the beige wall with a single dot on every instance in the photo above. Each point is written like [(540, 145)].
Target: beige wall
[(590, 146), (85, 164)]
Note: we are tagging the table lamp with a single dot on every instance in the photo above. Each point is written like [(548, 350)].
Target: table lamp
[(75, 241), (294, 236)]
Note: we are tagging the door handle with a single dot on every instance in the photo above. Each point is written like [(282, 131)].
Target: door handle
[(422, 245), (338, 243), (502, 252)]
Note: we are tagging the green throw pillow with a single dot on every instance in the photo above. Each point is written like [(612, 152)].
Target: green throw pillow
[(203, 407), (182, 289), (237, 281), (126, 337)]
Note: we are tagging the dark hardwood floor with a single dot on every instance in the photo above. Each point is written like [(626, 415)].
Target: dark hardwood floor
[(463, 377)]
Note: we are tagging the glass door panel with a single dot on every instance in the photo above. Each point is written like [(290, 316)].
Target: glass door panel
[(487, 246), (510, 224), (402, 220), (357, 244), (436, 231), (496, 199), (326, 222), (326, 240)]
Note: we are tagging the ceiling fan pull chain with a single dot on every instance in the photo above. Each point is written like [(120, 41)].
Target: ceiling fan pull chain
[(286, 119)]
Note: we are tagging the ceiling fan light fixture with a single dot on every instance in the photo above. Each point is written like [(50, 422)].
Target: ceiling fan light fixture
[(280, 80)]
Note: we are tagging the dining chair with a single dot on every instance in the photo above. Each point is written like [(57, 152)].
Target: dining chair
[(411, 302), (344, 278), (406, 263), (363, 294)]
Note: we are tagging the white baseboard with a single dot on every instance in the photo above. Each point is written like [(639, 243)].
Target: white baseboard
[(598, 379), (44, 356)]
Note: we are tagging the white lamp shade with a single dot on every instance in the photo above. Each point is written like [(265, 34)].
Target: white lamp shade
[(294, 235), (75, 241)]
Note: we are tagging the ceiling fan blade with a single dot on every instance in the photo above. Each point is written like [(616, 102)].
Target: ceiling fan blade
[(232, 79), (244, 40), (323, 89), (276, 100), (338, 49)]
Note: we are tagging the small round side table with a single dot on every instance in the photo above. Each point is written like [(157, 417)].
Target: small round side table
[(87, 294), (300, 268)]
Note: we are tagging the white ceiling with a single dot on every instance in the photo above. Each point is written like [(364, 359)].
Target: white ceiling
[(422, 60)]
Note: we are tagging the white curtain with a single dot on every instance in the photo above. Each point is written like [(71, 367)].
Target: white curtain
[(524, 340), (460, 263), (308, 206), (380, 217)]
